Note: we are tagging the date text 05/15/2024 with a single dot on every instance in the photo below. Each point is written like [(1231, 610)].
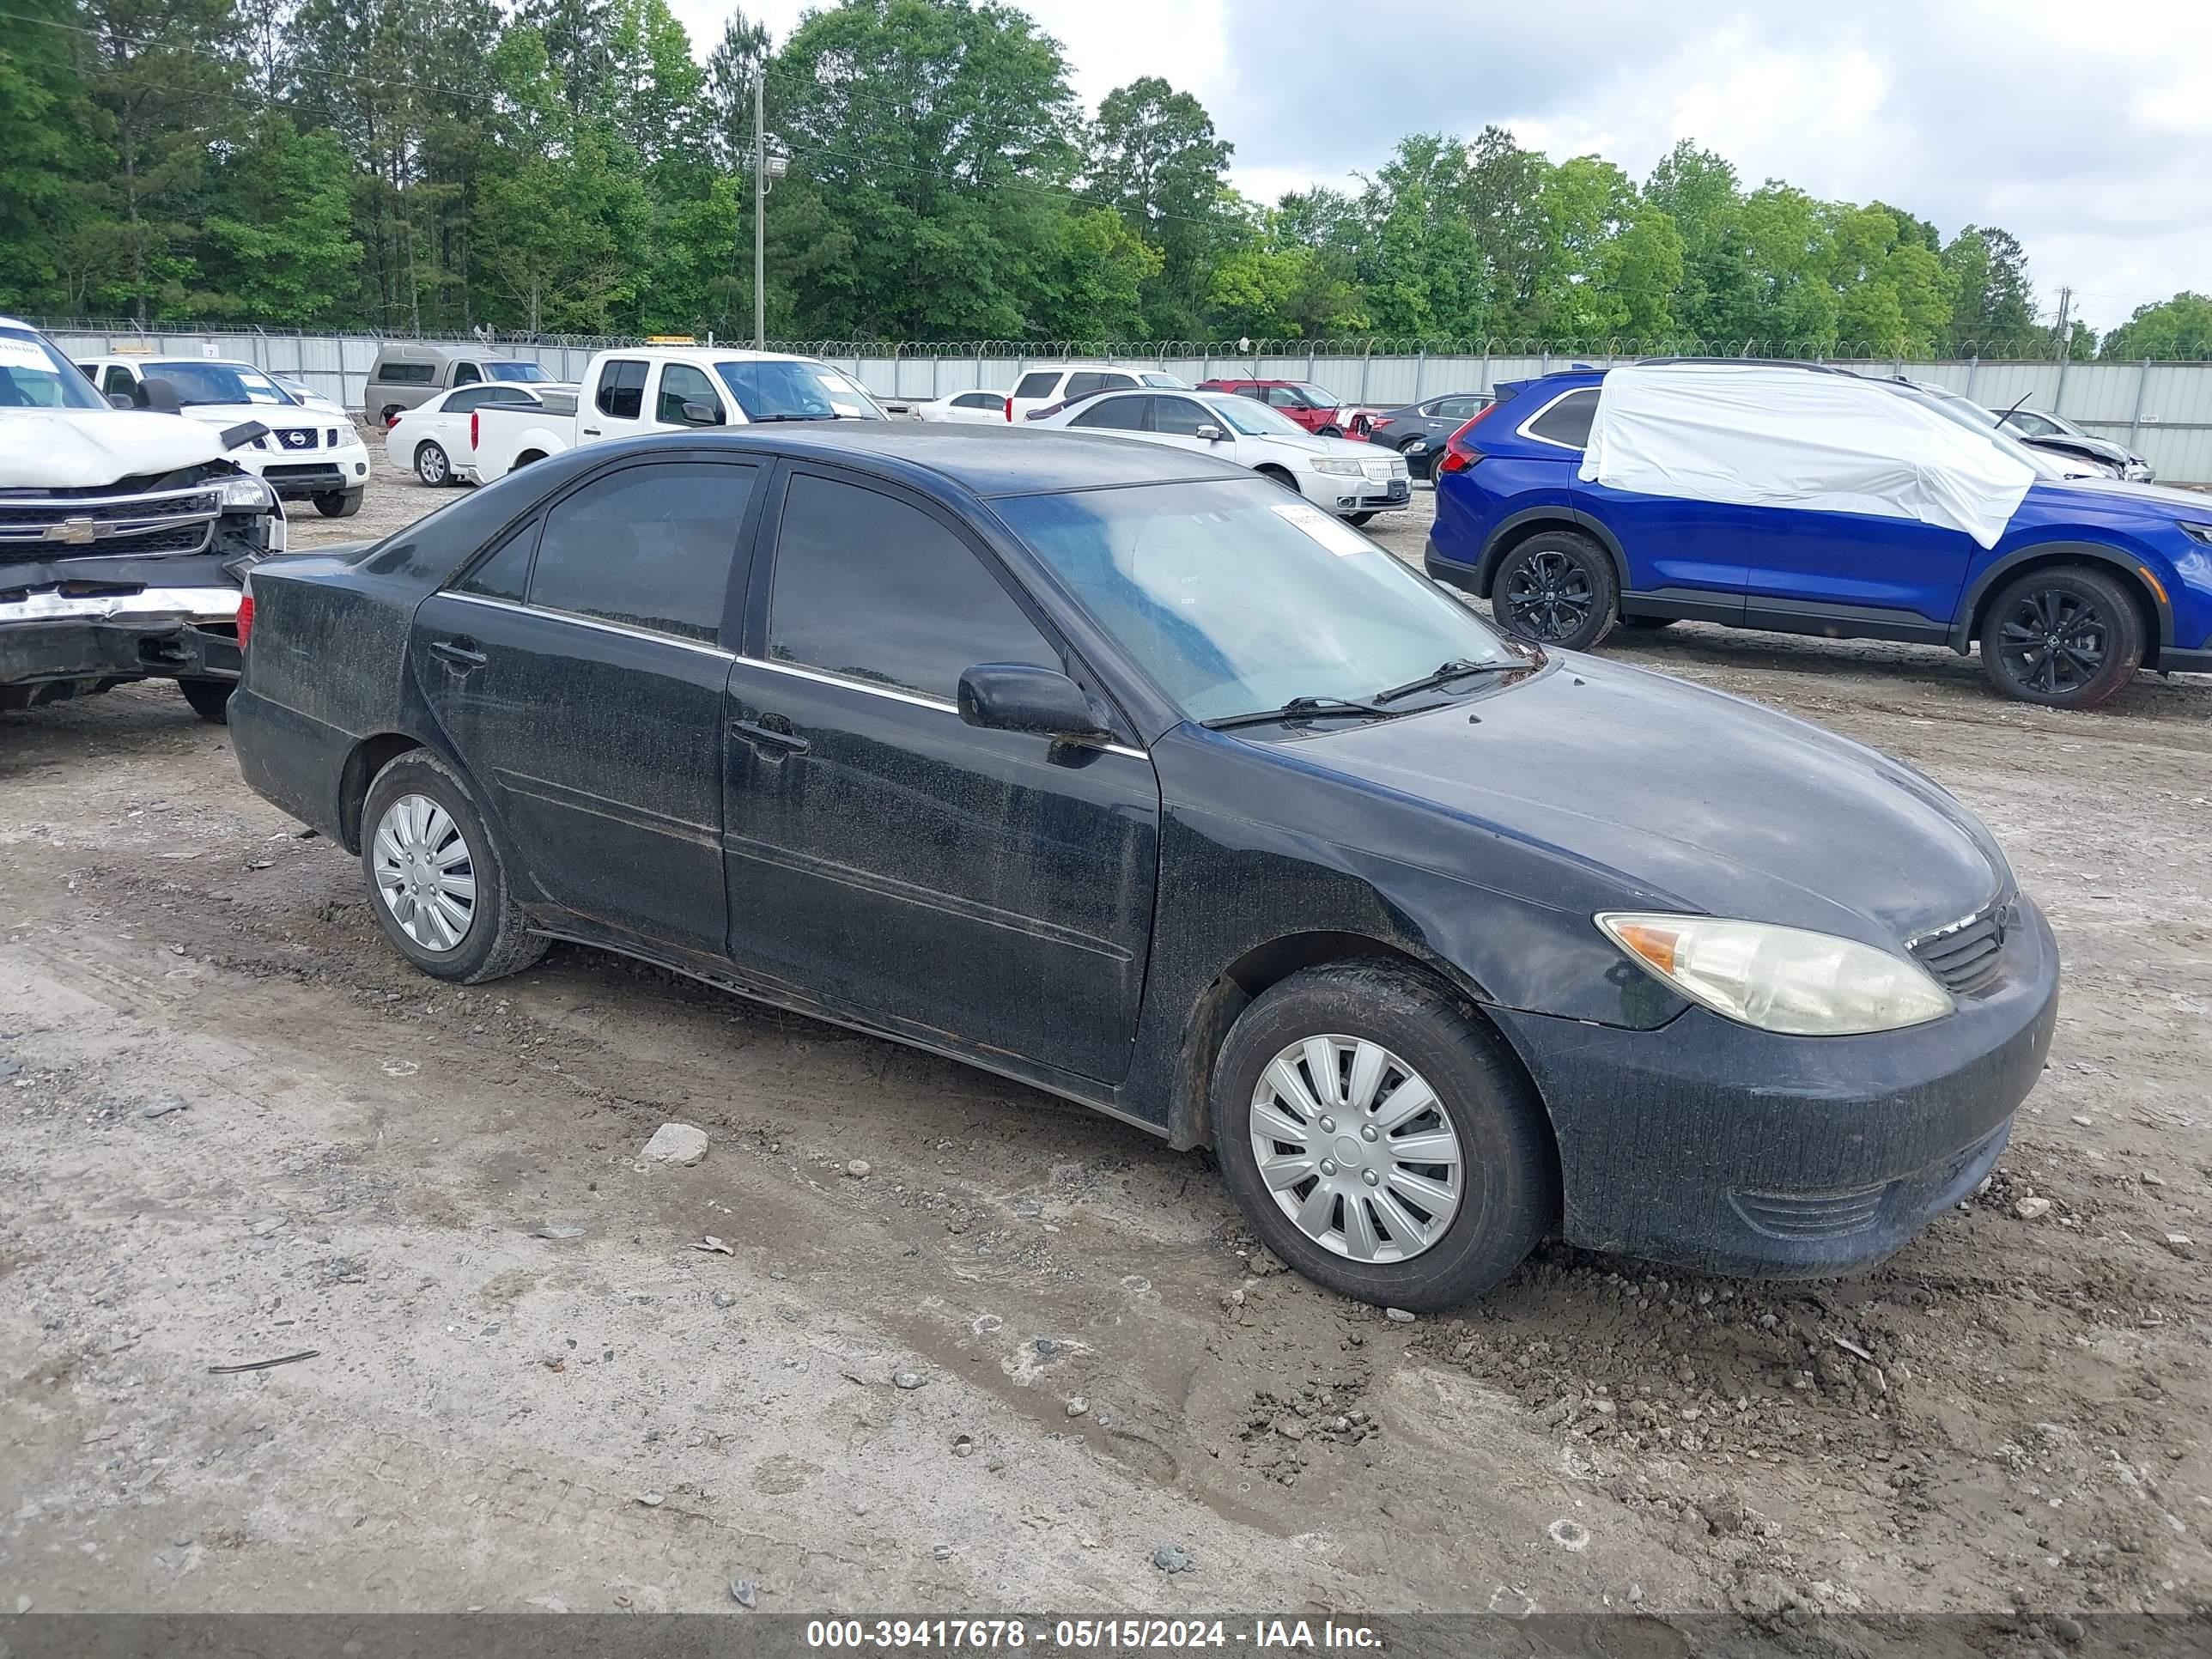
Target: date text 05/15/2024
[(1263, 1635)]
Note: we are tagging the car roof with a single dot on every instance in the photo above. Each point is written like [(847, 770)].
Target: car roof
[(984, 461)]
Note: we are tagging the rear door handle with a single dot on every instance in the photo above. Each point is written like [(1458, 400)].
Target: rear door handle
[(461, 653), (772, 734)]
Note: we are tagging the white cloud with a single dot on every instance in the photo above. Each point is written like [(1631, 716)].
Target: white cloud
[(2081, 132)]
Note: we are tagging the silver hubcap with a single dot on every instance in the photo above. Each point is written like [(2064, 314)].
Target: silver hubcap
[(432, 466), (424, 873), (1355, 1149)]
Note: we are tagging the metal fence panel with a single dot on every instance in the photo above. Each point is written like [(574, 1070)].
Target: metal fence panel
[(2162, 410)]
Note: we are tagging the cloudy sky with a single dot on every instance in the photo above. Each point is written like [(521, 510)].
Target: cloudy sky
[(2085, 129)]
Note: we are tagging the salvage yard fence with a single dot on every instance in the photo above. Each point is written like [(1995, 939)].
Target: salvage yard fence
[(2163, 411)]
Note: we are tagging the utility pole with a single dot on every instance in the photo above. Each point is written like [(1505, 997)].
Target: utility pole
[(760, 212), (2066, 305)]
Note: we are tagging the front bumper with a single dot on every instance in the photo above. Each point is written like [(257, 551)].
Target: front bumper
[(1724, 1149), (1344, 495), (299, 475), (52, 648)]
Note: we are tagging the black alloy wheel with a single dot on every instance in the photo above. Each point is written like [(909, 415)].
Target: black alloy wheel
[(2064, 636)]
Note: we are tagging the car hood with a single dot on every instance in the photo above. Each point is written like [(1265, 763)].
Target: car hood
[(1311, 444), (1695, 800), (2161, 503), (85, 448)]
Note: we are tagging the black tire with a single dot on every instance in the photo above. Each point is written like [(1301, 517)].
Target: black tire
[(432, 465), (339, 503), (1281, 478), (1556, 588), (1648, 624), (1332, 430), (389, 413), (1508, 1166), (496, 941), (1359, 518), (210, 699), (2095, 621)]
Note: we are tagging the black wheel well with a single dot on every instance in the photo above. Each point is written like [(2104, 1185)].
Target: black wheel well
[(1269, 470), (526, 457), (1215, 1008), (1513, 535), (369, 757), (2131, 583)]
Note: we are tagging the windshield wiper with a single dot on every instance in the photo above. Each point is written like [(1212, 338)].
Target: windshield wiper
[(1300, 709), (1458, 668), (763, 420)]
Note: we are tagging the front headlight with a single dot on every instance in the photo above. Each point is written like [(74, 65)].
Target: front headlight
[(249, 493), (1779, 978), (1338, 468), (2198, 532)]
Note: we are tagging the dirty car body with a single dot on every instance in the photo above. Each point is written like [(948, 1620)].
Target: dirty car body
[(123, 538), (1069, 824)]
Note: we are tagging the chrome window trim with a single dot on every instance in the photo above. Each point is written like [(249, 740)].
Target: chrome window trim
[(1522, 430), (603, 624)]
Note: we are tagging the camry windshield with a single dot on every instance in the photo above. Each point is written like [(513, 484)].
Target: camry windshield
[(1236, 598), (500, 369), (204, 383), (1256, 419), (34, 375), (772, 391)]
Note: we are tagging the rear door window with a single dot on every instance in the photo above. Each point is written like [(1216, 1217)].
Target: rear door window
[(621, 389), (1083, 385), (1567, 421), (648, 546), (977, 400), (1039, 384), (1115, 414), (871, 587)]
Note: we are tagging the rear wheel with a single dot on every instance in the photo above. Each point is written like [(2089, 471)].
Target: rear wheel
[(1557, 588), (1380, 1138), (432, 467), (2065, 636), (210, 699), (438, 884)]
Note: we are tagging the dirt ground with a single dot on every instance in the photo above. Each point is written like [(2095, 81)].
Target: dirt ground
[(1017, 1348)]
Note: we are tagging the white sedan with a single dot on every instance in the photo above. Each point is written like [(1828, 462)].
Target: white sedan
[(1355, 481), (984, 407), (434, 441)]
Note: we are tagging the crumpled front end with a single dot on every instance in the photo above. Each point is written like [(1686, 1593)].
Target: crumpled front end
[(139, 579)]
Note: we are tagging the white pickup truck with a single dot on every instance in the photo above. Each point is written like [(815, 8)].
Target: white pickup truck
[(628, 393)]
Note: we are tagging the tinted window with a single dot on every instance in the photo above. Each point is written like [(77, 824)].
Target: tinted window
[(1282, 397), (118, 379), (650, 546), (1458, 409), (476, 397), (1082, 386), (622, 390), (977, 400), (681, 384), (466, 375), (403, 373), (504, 572), (1115, 414), (1568, 421), (1181, 417), (1038, 385), (871, 587)]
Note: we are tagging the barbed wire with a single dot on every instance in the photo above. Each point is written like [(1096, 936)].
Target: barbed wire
[(1607, 350)]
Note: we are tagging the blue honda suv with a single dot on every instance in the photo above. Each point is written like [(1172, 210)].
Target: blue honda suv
[(2089, 581)]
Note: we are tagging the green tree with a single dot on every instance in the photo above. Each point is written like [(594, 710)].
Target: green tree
[(1612, 260), (43, 151), (1787, 258), (1893, 293), (1271, 288), (1421, 265), (1699, 190), (279, 230), (1155, 158), (2176, 330), (1993, 304)]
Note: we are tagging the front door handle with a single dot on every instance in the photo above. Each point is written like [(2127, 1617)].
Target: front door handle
[(460, 653), (591, 432), (771, 734)]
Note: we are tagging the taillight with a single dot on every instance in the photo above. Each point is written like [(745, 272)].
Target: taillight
[(245, 614), (1459, 454), (473, 418), (1010, 408)]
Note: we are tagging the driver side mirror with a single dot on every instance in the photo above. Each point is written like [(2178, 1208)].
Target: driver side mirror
[(1005, 697), (1212, 433), (701, 415)]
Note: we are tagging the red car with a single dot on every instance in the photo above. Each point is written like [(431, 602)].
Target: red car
[(1317, 409)]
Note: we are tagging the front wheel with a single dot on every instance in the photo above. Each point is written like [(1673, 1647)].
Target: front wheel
[(339, 503), (1381, 1139), (1332, 430), (436, 881), (2065, 636), (210, 699), (1360, 518), (1556, 588)]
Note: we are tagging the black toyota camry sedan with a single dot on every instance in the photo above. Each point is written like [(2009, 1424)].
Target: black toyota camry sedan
[(1121, 772)]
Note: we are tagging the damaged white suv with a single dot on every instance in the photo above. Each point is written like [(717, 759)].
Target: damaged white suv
[(125, 538)]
